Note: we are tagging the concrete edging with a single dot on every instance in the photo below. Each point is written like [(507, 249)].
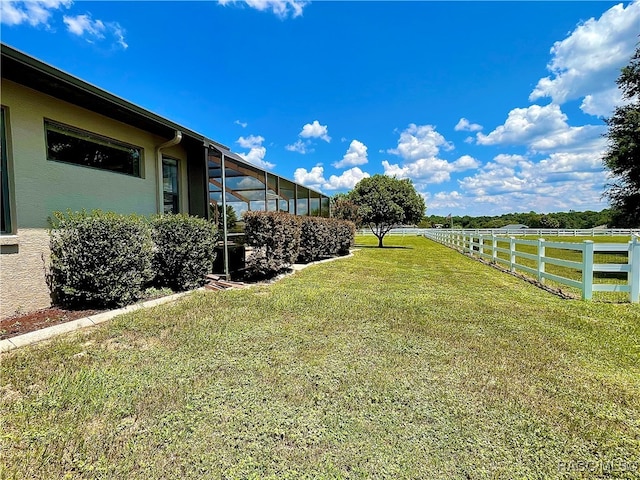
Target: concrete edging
[(18, 341)]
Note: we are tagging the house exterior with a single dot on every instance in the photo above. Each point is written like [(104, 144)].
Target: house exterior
[(67, 144)]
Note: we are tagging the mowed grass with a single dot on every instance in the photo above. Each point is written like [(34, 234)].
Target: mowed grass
[(407, 362), (574, 256)]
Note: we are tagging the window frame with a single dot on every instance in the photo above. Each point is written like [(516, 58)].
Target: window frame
[(177, 194), (4, 167), (95, 138)]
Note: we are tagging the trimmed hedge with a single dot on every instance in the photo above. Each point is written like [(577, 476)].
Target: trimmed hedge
[(275, 238), (184, 250), (104, 260), (98, 260), (279, 239)]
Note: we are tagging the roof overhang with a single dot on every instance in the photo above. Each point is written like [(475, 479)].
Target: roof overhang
[(37, 75)]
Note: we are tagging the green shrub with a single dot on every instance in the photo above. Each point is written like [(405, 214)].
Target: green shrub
[(345, 236), (315, 239), (98, 260), (275, 238), (184, 250)]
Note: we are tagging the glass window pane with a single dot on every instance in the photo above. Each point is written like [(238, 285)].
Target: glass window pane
[(5, 216), (71, 145), (170, 185)]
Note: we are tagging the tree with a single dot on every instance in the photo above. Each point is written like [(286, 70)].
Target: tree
[(384, 202), (622, 157), (343, 208), (215, 212)]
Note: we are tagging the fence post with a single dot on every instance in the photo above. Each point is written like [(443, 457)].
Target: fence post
[(634, 270), (481, 245), (512, 255), (587, 270), (541, 254), (493, 248)]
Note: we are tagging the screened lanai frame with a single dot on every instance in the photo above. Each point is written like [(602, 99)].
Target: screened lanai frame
[(232, 181)]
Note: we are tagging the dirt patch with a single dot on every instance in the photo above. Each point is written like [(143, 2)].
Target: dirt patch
[(29, 322)]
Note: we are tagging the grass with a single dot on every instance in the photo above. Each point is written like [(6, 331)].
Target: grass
[(411, 362), (575, 256)]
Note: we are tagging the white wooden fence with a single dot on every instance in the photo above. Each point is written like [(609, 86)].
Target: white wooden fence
[(489, 247)]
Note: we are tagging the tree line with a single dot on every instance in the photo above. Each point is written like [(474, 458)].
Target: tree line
[(567, 220)]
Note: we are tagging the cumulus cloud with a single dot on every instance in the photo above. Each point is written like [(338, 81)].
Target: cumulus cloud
[(35, 12), (314, 178), (281, 8), (419, 147), (541, 129), (242, 124), (256, 152), (420, 141), (300, 147), (309, 132), (356, 155), (315, 130), (431, 169), (463, 125), (588, 61), (560, 181)]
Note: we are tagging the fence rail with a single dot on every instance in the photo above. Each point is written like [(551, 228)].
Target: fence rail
[(503, 249), (552, 232)]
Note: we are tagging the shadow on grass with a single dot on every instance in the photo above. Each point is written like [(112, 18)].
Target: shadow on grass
[(384, 247)]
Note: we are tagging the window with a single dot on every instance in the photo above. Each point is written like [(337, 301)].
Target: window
[(6, 213), (170, 185), (72, 145)]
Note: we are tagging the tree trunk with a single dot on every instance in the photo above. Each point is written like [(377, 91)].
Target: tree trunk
[(380, 241)]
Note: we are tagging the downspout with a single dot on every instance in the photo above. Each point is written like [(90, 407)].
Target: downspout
[(177, 138)]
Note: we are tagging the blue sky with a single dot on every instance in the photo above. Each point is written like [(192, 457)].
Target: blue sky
[(489, 107)]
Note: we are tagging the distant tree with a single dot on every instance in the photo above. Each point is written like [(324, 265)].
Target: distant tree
[(549, 221), (385, 202), (215, 212), (622, 157), (344, 208)]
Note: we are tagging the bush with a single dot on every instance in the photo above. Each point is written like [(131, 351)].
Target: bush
[(315, 239), (184, 250), (345, 232), (98, 260), (275, 238)]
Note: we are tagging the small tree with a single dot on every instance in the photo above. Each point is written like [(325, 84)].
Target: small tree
[(384, 202), (623, 154), (344, 208)]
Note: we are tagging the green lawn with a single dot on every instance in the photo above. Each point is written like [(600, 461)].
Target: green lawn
[(411, 362), (575, 256)]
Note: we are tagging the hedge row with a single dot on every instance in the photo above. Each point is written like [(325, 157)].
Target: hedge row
[(280, 239), (102, 260)]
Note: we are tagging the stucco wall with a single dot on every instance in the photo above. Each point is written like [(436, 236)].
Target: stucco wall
[(40, 187), (22, 272)]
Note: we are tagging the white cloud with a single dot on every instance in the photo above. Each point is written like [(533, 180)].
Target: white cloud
[(419, 147), (541, 129), (588, 61), (92, 30), (299, 147), (35, 12), (420, 141), (281, 8), (463, 125), (256, 152), (561, 181), (315, 130), (356, 155), (314, 178), (601, 104), (242, 124), (83, 25)]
